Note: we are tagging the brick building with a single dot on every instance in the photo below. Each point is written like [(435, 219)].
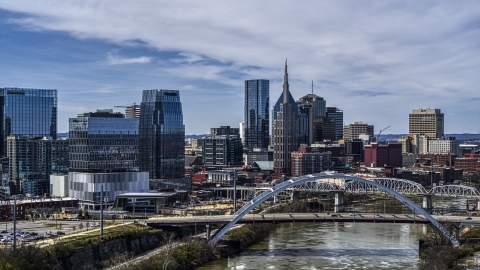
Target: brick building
[(447, 159), (309, 160), (381, 155), (469, 163)]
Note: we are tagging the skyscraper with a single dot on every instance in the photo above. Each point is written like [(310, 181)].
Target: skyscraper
[(256, 115), (27, 112), (104, 153), (162, 134), (32, 160), (313, 108), (429, 122), (103, 141), (285, 129), (335, 115)]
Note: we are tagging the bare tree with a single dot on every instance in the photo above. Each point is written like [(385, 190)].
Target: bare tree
[(168, 238), (119, 259)]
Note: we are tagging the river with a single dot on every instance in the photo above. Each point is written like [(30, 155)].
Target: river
[(330, 246), (339, 245)]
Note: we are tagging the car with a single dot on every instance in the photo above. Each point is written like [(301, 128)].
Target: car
[(4, 231), (352, 214), (469, 218), (379, 216), (334, 215), (33, 234), (60, 233)]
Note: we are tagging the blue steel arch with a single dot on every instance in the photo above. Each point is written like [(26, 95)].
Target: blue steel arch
[(325, 175)]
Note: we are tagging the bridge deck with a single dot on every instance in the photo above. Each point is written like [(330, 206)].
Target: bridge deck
[(308, 217), (286, 218)]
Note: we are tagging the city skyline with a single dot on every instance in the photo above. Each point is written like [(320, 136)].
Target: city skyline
[(375, 61)]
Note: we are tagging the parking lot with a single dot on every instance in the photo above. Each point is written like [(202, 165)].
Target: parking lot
[(39, 232)]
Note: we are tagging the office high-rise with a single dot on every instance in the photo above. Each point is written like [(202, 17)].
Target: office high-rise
[(32, 160), (313, 112), (103, 141), (429, 122), (355, 129), (285, 129), (256, 115), (335, 116), (27, 112), (162, 134), (104, 153)]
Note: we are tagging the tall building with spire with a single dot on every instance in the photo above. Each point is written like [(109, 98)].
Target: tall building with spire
[(285, 128)]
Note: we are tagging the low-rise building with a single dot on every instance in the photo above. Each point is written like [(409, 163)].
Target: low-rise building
[(447, 159), (383, 155), (308, 160)]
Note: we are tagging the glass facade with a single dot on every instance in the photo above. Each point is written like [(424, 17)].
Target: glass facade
[(27, 112), (34, 159), (222, 151), (103, 142), (336, 115), (256, 114), (162, 134)]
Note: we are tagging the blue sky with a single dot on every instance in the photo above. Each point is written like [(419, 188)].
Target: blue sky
[(376, 60)]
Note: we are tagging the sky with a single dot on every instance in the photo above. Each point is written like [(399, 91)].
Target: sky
[(375, 60)]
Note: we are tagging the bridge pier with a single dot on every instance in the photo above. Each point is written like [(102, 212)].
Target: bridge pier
[(339, 202), (427, 202), (208, 232)]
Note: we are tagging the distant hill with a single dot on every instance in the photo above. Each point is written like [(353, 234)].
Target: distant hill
[(194, 136), (461, 137)]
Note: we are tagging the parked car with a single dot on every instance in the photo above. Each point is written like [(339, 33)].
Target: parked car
[(60, 233), (4, 231)]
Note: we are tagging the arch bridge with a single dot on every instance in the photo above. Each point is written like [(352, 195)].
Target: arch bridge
[(308, 179), (399, 185)]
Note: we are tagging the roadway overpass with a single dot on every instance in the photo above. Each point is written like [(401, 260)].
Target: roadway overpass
[(310, 217)]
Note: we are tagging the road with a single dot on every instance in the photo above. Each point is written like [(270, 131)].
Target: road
[(309, 217)]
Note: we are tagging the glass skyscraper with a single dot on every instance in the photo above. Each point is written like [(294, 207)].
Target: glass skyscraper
[(162, 134), (256, 114), (103, 141), (27, 112)]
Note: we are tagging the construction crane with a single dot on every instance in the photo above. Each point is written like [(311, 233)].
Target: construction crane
[(379, 133), (131, 111), (127, 106)]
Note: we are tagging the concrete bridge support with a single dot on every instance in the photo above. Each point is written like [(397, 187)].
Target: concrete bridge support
[(427, 202), (339, 202), (208, 232)]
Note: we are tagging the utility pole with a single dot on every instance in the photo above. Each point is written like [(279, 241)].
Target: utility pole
[(101, 211), (235, 191), (15, 223)]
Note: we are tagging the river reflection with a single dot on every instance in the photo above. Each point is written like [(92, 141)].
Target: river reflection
[(331, 246)]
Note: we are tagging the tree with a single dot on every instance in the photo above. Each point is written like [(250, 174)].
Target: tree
[(438, 252)]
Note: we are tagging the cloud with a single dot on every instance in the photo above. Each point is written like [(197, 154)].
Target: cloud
[(404, 52), (116, 60)]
